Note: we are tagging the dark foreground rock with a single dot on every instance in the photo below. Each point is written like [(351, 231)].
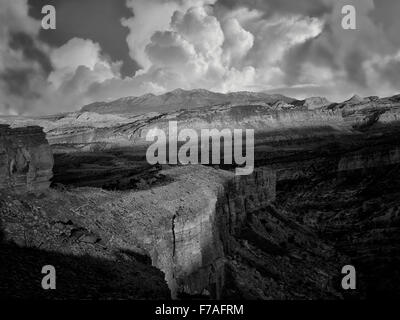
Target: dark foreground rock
[(36, 231)]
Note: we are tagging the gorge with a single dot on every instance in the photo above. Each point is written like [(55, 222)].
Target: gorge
[(324, 194)]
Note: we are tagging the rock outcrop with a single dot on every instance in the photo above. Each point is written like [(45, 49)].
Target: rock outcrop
[(179, 99), (26, 160), (324, 194), (316, 103)]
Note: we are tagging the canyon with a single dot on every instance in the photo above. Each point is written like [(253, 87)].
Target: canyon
[(324, 194)]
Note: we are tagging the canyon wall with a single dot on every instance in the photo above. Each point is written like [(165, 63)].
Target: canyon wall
[(266, 246), (201, 237)]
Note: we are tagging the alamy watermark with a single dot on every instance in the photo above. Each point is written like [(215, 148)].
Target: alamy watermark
[(49, 280), (348, 21), (237, 150), (349, 280), (49, 19)]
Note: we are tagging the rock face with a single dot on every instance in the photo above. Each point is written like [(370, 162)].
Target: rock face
[(82, 235), (316, 103), (324, 194), (269, 255), (26, 160)]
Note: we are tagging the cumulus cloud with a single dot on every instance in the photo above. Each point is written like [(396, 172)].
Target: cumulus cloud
[(209, 47), (149, 17), (80, 58), (237, 43), (342, 54), (35, 78)]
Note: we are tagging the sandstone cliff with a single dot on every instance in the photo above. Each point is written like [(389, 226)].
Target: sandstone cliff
[(26, 160)]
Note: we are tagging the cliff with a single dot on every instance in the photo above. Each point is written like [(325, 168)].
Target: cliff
[(26, 160)]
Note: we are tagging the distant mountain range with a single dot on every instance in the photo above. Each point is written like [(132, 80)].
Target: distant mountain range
[(182, 99)]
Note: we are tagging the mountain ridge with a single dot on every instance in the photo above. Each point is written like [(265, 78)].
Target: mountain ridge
[(180, 99)]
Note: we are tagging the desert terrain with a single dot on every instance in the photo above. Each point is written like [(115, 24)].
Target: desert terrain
[(77, 192)]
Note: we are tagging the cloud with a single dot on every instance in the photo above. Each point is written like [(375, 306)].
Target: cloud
[(78, 65), (200, 28), (383, 72), (275, 45), (23, 64), (193, 49), (169, 49), (97, 20), (208, 47), (214, 45), (311, 8), (191, 52), (80, 58), (341, 55), (30, 50), (238, 41), (150, 16)]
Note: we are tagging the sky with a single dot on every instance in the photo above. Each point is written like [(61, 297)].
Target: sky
[(106, 49)]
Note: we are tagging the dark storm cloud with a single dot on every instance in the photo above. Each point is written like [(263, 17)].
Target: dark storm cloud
[(309, 51), (98, 20), (386, 15), (18, 82), (314, 8), (25, 43), (355, 71), (391, 72), (344, 53)]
